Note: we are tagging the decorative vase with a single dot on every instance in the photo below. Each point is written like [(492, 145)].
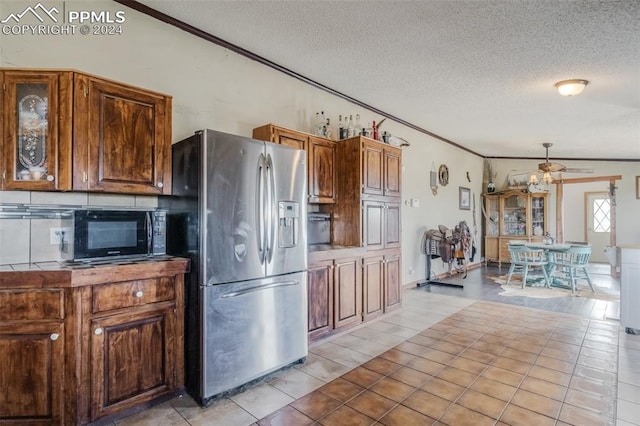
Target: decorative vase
[(491, 187)]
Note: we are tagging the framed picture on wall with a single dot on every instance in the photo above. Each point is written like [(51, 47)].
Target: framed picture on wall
[(464, 198), (638, 187)]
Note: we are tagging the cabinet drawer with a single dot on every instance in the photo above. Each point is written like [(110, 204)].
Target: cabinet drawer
[(31, 304), (132, 293)]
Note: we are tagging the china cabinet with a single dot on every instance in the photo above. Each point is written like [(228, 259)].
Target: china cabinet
[(513, 215), (66, 130)]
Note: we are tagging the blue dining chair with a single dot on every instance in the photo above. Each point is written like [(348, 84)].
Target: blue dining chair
[(525, 260), (572, 265)]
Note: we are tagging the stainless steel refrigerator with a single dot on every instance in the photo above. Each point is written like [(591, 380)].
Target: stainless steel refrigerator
[(238, 210)]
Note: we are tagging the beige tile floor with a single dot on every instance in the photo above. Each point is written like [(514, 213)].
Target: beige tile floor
[(425, 365)]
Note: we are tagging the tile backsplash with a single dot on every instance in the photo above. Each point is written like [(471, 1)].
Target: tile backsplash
[(28, 240)]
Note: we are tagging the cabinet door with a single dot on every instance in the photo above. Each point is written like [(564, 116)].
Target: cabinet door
[(347, 292), (514, 214), (122, 139), (538, 215), (372, 285), (392, 225), (372, 168), (132, 359), (37, 130), (492, 219), (392, 282), (373, 224), (322, 178), (320, 298), (392, 172), (32, 368), (292, 139)]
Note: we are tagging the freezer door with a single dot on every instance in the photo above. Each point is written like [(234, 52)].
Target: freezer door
[(251, 329), (231, 192), (287, 214)]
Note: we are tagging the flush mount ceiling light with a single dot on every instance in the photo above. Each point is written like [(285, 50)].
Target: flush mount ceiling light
[(571, 87)]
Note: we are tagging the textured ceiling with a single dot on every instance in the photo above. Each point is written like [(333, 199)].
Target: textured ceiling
[(480, 73)]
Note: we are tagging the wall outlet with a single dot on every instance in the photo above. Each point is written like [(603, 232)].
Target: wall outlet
[(56, 235), (415, 202)]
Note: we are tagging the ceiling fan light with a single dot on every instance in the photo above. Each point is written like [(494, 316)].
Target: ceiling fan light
[(533, 179), (547, 178), (571, 87)]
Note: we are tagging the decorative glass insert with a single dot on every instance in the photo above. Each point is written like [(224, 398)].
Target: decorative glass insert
[(514, 217), (537, 216), (601, 215), (32, 130)]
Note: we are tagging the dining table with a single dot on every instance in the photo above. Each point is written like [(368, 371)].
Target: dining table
[(550, 251)]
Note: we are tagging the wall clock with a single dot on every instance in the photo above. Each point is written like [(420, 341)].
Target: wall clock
[(443, 174)]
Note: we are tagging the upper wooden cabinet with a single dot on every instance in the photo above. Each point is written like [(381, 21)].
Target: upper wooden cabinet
[(321, 159), (37, 130), (65, 130), (380, 168)]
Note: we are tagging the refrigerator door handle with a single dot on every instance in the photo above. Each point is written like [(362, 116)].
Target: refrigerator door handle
[(258, 288), (271, 205), (260, 208)]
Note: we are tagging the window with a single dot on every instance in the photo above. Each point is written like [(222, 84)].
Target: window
[(601, 215)]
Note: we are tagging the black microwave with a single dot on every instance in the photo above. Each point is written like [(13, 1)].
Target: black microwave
[(110, 234)]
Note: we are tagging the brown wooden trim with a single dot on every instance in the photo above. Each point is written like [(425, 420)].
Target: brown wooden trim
[(133, 4), (559, 212), (628, 160), (588, 179)]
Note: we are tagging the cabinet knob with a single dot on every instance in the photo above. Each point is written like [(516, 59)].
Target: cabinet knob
[(139, 294), (85, 177), (160, 185), (50, 178), (98, 331), (54, 336)]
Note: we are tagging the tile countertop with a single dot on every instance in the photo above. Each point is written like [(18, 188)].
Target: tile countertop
[(76, 274)]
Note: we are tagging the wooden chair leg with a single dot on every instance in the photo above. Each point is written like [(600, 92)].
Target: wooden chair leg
[(547, 283), (524, 275)]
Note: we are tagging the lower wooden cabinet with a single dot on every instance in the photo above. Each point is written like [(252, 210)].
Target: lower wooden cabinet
[(345, 291), (132, 359), (320, 299), (79, 346), (32, 373)]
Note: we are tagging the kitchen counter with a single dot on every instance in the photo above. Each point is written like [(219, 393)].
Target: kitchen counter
[(76, 274), (320, 252)]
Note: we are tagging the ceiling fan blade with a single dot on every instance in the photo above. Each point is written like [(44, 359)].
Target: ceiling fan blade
[(551, 167), (577, 170)]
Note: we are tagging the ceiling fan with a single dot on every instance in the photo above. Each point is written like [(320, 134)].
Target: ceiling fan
[(549, 167)]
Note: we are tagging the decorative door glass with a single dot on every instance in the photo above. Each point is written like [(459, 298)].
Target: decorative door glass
[(32, 131), (514, 215), (493, 216), (537, 216)]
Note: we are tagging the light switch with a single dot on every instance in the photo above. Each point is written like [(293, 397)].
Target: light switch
[(415, 202)]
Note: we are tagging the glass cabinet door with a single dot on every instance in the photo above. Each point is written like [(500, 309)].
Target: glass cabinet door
[(492, 209), (514, 215), (31, 133), (538, 218)]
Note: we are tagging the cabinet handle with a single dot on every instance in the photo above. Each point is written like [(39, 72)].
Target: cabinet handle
[(139, 294), (160, 185), (50, 178), (85, 177), (98, 331), (54, 336)]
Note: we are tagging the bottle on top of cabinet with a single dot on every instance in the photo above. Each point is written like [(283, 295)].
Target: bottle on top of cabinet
[(351, 127), (358, 126)]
